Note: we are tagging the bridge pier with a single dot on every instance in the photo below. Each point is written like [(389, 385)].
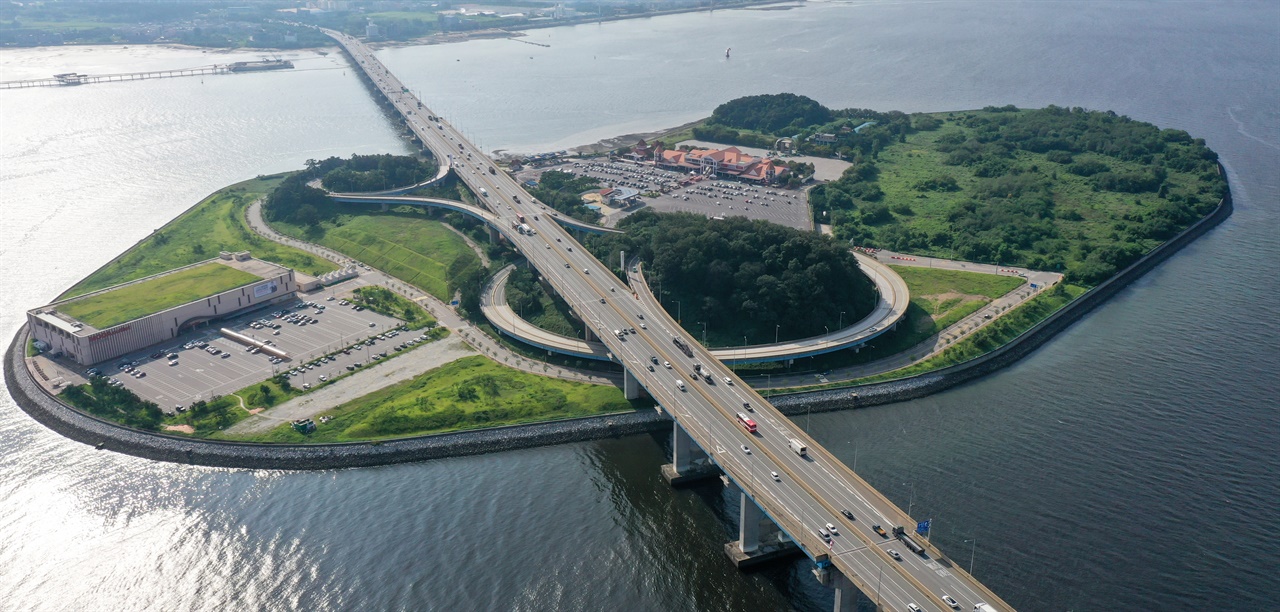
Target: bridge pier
[(494, 236), (689, 463), (759, 538), (846, 591), (630, 386)]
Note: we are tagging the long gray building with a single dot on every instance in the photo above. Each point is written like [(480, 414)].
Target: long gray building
[(57, 331)]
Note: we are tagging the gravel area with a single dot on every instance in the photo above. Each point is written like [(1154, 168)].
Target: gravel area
[(364, 382)]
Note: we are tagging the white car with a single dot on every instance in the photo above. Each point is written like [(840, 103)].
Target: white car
[(776, 477), (727, 381), (951, 601), (666, 364)]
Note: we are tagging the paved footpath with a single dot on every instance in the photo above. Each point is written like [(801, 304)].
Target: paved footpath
[(382, 374), (447, 317), (933, 344)]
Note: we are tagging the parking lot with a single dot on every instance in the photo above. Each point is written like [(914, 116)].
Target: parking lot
[(203, 363), (685, 193)]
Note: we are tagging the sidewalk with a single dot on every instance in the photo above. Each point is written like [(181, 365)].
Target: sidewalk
[(445, 314)]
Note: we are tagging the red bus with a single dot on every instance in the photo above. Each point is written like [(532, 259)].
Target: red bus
[(746, 423)]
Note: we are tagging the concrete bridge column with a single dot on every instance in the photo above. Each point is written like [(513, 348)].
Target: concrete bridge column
[(846, 593), (630, 386), (590, 335), (689, 463), (494, 236), (386, 207), (759, 538)]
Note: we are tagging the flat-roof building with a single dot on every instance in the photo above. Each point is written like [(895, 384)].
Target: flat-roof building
[(258, 283)]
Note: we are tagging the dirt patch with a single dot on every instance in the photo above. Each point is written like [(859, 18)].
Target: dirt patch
[(186, 429)]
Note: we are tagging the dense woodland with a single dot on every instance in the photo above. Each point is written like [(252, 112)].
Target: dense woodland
[(1067, 189), (294, 201), (739, 270)]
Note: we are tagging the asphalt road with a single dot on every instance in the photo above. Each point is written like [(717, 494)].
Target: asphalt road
[(810, 490)]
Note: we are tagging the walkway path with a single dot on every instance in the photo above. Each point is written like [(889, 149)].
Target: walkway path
[(933, 344), (380, 376), (445, 314)]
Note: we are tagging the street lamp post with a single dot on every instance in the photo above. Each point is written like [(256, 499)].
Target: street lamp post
[(776, 329), (704, 332), (840, 325), (912, 498), (972, 549)]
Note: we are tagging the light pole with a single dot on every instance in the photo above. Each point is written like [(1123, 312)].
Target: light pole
[(776, 329), (704, 332), (912, 498), (972, 549), (678, 317), (840, 325)]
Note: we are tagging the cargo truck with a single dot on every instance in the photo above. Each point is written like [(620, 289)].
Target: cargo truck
[(906, 540), (798, 447)]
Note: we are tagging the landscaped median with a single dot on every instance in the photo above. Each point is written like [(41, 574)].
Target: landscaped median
[(470, 393)]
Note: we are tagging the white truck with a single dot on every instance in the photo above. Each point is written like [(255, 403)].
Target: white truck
[(983, 607), (680, 384), (798, 447), (484, 192)]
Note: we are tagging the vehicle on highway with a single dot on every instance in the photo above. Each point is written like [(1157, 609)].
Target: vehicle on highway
[(776, 478), (747, 423), (893, 553), (727, 381), (746, 449), (798, 447), (832, 528), (911, 607), (880, 530), (747, 406), (951, 601), (666, 364), (983, 607), (679, 384), (848, 515), (654, 359)]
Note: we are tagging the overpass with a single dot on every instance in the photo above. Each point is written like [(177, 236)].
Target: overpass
[(786, 497), (891, 306), (387, 198)]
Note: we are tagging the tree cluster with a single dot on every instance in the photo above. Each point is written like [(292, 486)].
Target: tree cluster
[(377, 172), (782, 114), (115, 403), (751, 273), (561, 191)]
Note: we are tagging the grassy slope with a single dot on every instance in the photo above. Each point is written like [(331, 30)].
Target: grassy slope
[(409, 246), (996, 334), (902, 166), (128, 303), (216, 224), (442, 400)]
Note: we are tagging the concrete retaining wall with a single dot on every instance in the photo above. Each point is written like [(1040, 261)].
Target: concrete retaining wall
[(55, 415)]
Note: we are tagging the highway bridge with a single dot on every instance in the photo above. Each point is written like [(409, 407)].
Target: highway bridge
[(787, 498)]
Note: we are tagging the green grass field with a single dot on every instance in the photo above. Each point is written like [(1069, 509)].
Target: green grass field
[(470, 393), (149, 297), (215, 224), (408, 246)]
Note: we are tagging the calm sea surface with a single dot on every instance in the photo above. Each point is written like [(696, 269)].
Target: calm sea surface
[(1129, 465)]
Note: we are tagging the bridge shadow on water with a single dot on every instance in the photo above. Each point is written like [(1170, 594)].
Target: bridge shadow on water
[(677, 536)]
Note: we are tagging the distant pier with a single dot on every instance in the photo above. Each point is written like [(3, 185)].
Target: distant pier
[(72, 78)]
